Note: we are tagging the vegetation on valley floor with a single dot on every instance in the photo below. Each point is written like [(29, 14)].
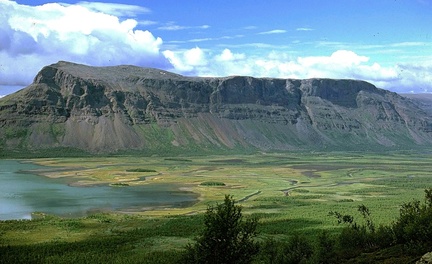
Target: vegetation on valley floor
[(291, 195)]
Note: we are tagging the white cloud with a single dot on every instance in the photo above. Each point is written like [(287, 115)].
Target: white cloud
[(341, 64), (304, 29), (32, 37), (340, 58), (199, 62), (195, 57), (147, 22), (409, 44), (199, 40), (275, 31), (188, 61), (227, 55), (172, 26), (415, 77), (120, 10), (195, 40), (177, 62), (104, 34)]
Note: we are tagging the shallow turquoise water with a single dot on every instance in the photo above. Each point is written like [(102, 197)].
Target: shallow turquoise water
[(21, 194)]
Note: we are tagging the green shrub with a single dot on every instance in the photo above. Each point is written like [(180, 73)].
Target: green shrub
[(212, 183), (268, 251), (355, 237), (326, 248), (140, 170), (297, 250), (414, 225)]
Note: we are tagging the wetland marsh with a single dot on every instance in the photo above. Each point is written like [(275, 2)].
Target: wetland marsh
[(287, 192), (267, 182), (23, 193)]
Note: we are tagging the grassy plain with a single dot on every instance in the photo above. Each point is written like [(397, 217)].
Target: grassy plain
[(289, 193)]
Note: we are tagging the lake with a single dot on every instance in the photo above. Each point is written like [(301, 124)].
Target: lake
[(22, 193)]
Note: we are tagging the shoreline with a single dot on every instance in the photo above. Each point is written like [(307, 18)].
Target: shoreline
[(70, 176)]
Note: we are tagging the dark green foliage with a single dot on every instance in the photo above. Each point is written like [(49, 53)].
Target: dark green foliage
[(384, 237), (297, 250), (326, 249), (345, 219), (112, 246), (412, 230), (212, 183), (414, 226), (104, 250), (227, 238), (43, 153), (140, 170), (269, 250), (366, 216), (178, 159), (356, 238)]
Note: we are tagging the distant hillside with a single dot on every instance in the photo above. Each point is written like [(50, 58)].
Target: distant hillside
[(127, 108), (424, 100)]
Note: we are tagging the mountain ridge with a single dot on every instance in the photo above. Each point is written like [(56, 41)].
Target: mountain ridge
[(120, 108)]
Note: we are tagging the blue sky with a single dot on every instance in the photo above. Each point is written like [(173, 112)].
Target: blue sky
[(386, 42)]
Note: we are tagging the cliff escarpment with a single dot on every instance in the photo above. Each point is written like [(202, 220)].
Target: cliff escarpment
[(121, 108)]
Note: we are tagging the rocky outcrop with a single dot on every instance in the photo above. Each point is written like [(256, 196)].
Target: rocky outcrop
[(425, 259), (109, 109)]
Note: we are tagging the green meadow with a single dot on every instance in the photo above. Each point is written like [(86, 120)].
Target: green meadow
[(289, 193)]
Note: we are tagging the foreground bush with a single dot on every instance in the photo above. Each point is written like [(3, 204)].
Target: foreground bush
[(414, 226), (227, 237), (412, 230)]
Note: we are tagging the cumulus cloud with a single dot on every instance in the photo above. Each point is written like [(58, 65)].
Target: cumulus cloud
[(107, 34), (341, 64), (187, 61), (89, 33), (413, 77), (340, 58), (227, 55), (195, 57)]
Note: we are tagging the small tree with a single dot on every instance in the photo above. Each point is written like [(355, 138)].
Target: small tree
[(227, 237)]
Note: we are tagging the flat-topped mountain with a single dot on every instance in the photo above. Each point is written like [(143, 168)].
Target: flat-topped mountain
[(122, 108)]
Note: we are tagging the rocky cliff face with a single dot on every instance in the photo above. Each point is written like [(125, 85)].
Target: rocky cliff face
[(108, 109)]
